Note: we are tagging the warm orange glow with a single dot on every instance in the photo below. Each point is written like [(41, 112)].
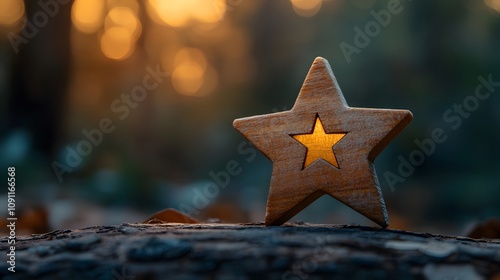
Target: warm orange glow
[(191, 55), (319, 144), (131, 4), (171, 12), (190, 67), (11, 11), (117, 43), (187, 78), (126, 18), (87, 15), (179, 12), (494, 4), (306, 8), (208, 11)]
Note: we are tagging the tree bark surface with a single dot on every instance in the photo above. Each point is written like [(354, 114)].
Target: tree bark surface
[(249, 251)]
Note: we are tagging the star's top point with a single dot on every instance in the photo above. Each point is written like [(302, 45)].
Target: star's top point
[(320, 85)]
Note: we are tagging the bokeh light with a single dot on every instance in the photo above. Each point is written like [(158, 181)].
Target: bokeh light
[(208, 11), (87, 15), (131, 4), (173, 13), (214, 60), (306, 8), (188, 75), (11, 11), (187, 78), (123, 17), (178, 13), (191, 55), (117, 43)]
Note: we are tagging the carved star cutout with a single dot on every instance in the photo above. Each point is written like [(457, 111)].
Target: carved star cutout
[(319, 144), (323, 146)]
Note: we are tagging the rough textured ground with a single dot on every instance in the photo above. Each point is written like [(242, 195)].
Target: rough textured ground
[(249, 251)]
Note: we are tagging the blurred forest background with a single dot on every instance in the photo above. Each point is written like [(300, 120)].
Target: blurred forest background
[(66, 65)]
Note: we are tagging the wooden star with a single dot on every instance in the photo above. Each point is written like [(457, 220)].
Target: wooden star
[(323, 146)]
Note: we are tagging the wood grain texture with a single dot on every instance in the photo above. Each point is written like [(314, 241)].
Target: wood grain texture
[(294, 186)]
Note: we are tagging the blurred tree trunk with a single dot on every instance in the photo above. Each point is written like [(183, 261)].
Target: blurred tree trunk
[(40, 76)]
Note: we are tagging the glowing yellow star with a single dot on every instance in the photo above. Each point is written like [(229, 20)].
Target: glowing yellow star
[(319, 144)]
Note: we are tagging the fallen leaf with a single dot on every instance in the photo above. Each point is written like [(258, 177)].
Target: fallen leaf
[(170, 215), (489, 229)]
